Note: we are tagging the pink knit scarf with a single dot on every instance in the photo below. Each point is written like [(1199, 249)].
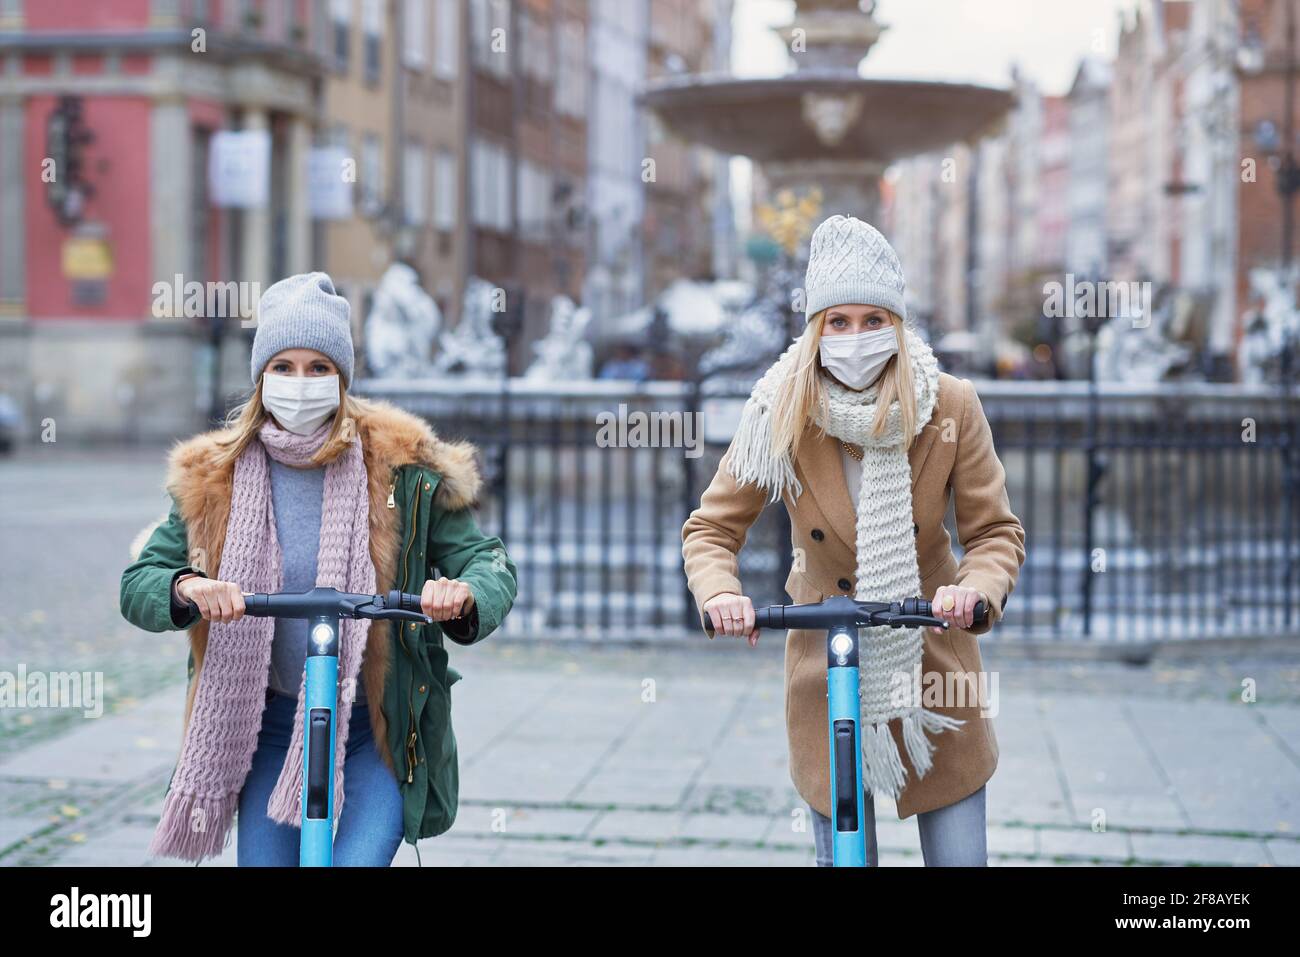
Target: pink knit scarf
[(217, 753)]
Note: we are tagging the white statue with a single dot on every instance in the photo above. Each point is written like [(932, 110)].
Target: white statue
[(1137, 348), (1268, 327), (473, 348), (402, 326), (563, 354)]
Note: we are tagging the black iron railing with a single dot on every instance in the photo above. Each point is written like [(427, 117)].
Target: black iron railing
[(1150, 514)]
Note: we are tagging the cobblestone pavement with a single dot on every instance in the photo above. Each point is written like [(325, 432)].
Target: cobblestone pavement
[(621, 756)]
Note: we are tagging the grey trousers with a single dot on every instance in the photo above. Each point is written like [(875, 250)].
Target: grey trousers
[(952, 836)]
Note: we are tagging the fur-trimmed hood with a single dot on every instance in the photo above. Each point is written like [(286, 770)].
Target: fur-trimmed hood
[(391, 437)]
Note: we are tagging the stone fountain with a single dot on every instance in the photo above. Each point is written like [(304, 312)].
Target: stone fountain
[(825, 126)]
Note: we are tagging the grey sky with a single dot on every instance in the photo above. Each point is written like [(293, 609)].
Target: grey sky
[(959, 40)]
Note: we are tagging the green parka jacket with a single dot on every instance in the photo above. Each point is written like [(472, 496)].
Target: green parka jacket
[(422, 489)]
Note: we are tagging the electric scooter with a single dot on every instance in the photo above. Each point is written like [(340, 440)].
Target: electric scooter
[(322, 608), (842, 616)]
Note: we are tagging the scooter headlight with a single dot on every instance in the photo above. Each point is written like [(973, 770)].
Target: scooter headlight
[(322, 635), (841, 645)]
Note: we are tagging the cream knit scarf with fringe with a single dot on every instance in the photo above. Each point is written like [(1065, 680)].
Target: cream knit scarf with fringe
[(886, 547)]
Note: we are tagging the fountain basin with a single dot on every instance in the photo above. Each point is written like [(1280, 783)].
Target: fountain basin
[(831, 114)]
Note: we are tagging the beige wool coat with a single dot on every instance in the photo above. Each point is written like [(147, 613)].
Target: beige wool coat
[(952, 456)]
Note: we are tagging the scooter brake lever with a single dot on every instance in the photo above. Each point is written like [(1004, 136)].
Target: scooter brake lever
[(903, 621), (401, 614)]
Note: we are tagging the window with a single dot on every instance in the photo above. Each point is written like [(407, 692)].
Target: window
[(571, 82), (340, 18), (534, 47), (296, 19), (337, 135), (274, 18), (322, 28), (372, 33), (235, 11), (490, 199), (414, 193), (371, 174), (489, 40), (446, 39), (534, 201), (415, 34), (445, 192)]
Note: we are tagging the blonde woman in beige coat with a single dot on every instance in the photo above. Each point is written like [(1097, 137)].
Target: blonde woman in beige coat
[(867, 517)]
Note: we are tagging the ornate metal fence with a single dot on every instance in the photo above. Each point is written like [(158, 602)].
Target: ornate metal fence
[(1151, 513)]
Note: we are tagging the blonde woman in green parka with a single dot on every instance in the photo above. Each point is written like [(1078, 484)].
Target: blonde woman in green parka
[(419, 535)]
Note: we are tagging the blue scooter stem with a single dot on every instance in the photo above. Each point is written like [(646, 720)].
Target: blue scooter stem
[(849, 844), (322, 608), (319, 728), (841, 616)]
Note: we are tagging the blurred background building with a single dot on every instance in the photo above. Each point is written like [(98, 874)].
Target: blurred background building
[(491, 138), (148, 145), (1166, 163)]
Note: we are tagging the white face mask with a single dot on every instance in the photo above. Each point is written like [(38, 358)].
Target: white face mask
[(856, 360), (300, 403)]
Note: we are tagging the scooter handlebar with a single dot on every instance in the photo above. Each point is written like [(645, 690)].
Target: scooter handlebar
[(911, 612), (395, 605)]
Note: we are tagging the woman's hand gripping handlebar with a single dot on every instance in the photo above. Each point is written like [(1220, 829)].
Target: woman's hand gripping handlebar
[(842, 610), (395, 605)]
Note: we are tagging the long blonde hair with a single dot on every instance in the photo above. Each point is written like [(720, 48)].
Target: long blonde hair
[(245, 419), (804, 388)]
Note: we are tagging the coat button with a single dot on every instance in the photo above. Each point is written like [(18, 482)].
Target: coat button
[(421, 689), (844, 584), (818, 534)]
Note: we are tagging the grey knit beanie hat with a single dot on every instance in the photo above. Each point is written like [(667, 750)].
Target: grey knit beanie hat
[(304, 312), (850, 262)]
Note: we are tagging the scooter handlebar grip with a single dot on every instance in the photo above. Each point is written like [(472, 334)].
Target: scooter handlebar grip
[(980, 617), (403, 600), (254, 604), (769, 616)]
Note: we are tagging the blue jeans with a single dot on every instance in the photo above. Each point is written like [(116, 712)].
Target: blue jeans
[(370, 826), (952, 836)]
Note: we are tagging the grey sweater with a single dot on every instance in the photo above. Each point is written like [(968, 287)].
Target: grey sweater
[(296, 499)]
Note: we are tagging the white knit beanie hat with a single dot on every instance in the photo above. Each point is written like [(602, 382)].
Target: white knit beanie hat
[(850, 262)]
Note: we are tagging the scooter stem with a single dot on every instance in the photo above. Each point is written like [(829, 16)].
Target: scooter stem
[(844, 714), (319, 727)]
